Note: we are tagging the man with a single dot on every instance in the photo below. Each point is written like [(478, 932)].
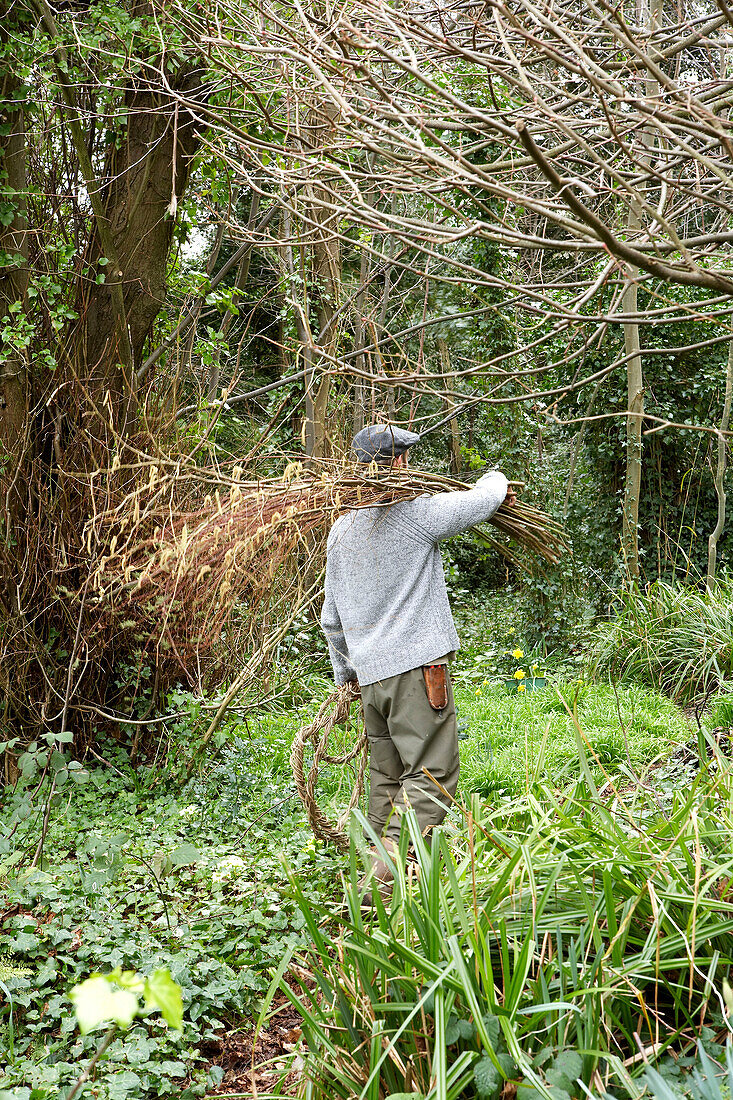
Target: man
[(389, 626)]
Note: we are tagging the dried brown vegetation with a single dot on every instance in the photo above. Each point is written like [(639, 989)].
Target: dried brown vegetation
[(251, 555)]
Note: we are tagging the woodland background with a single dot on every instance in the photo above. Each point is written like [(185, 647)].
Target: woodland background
[(234, 232), (231, 234)]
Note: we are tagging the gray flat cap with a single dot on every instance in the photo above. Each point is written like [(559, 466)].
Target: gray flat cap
[(382, 443)]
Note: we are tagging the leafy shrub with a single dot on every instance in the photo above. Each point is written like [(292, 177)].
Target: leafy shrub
[(671, 636)]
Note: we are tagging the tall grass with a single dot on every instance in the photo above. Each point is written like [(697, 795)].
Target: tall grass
[(674, 637), (548, 941)]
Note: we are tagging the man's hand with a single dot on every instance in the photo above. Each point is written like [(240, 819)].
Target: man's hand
[(511, 497)]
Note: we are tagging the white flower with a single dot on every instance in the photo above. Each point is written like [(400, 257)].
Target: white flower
[(228, 868)]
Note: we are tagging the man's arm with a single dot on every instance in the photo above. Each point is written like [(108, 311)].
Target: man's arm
[(334, 631), (447, 514)]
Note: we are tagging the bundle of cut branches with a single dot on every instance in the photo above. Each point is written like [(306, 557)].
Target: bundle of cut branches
[(259, 546)]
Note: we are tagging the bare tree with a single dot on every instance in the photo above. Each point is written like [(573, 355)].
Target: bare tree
[(573, 133)]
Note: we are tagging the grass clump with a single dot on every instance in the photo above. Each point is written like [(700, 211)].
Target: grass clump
[(543, 943), (515, 741), (671, 636), (721, 709)]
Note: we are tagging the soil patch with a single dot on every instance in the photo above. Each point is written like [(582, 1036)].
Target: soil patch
[(262, 1065)]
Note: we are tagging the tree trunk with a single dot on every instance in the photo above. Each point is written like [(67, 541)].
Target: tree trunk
[(358, 419), (226, 321), (634, 422), (720, 471), (145, 176), (324, 296), (13, 287), (648, 14), (454, 438)]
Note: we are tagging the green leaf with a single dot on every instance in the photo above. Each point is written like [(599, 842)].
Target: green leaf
[(96, 1002), (458, 1029), (528, 1092), (124, 1084), (184, 855), (163, 993), (173, 1069), (27, 763), (57, 761), (493, 1027), (24, 941), (486, 1077), (508, 1065), (570, 1063), (565, 1071)]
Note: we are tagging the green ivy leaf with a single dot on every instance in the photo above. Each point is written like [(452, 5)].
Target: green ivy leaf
[(458, 1029), (125, 1083), (163, 993)]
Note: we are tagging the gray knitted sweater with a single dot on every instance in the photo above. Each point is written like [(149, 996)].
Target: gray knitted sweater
[(386, 609)]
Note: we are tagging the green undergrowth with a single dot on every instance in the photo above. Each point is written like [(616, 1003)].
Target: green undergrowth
[(514, 741), (189, 879), (215, 879)]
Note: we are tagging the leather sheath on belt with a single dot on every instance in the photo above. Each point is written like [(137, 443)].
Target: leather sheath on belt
[(436, 684)]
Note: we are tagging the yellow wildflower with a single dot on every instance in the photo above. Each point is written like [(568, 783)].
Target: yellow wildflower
[(521, 687), (517, 654), (511, 630), (519, 674), (535, 667), (478, 691)]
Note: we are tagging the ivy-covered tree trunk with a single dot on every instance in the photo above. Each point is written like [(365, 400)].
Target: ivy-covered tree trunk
[(720, 469), (145, 175), (85, 265)]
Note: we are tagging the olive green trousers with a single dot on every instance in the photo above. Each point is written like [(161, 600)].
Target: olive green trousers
[(406, 736)]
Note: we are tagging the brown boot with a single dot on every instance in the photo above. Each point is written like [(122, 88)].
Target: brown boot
[(379, 874)]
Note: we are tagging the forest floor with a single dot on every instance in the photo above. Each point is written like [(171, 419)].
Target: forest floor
[(140, 871)]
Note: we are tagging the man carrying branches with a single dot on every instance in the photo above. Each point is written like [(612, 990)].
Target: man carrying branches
[(389, 628)]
